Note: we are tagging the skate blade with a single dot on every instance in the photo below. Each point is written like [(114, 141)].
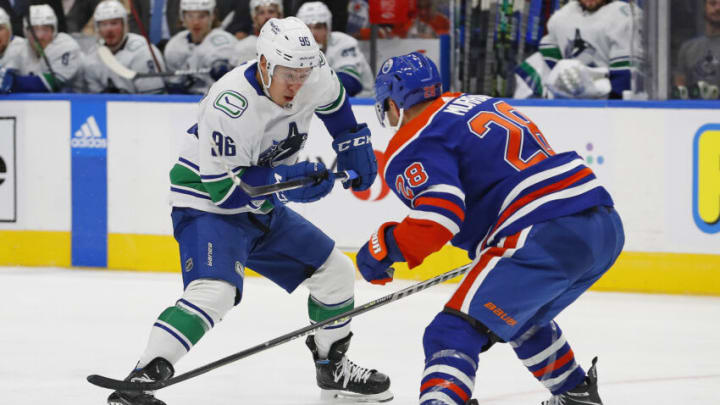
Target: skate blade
[(347, 397)]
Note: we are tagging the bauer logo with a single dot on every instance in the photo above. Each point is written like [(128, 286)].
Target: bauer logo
[(88, 135), (706, 178)]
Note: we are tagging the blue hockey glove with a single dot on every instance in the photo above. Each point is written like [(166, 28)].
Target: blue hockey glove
[(218, 69), (378, 254), (355, 152), (7, 77), (305, 194)]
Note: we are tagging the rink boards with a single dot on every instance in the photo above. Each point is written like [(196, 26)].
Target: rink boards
[(84, 182)]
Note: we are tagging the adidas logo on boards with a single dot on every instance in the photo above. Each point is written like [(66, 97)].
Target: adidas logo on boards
[(89, 135)]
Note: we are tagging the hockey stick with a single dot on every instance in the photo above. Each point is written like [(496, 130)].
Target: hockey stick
[(141, 26), (259, 191), (113, 64), (152, 386)]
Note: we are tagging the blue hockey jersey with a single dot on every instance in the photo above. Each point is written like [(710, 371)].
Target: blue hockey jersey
[(473, 169)]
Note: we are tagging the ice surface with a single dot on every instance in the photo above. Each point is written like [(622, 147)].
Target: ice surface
[(59, 325)]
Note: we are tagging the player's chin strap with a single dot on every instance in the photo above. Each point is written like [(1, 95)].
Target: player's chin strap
[(266, 87)]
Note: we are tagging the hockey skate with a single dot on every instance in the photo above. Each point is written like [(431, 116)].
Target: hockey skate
[(341, 380), (584, 394), (157, 370)]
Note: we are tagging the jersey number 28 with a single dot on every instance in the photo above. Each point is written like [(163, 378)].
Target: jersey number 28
[(517, 127)]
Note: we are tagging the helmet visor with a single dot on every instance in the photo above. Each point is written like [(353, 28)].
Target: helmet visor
[(381, 108), (294, 75)]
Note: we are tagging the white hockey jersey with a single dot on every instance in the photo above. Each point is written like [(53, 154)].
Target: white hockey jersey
[(133, 54), (64, 56), (11, 57), (608, 37), (344, 55), (249, 129), (182, 54), (245, 50)]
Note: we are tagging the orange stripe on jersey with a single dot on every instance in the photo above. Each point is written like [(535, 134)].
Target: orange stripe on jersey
[(458, 297), (417, 238), (565, 359), (409, 130), (442, 203), (520, 202), (439, 382)]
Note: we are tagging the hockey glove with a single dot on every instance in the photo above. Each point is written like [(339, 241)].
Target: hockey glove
[(570, 78), (378, 254), (325, 183), (7, 77), (355, 152)]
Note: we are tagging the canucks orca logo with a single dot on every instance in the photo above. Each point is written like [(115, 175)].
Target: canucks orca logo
[(284, 149), (707, 67), (580, 49)]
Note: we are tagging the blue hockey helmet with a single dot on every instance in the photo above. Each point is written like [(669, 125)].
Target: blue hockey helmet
[(407, 80)]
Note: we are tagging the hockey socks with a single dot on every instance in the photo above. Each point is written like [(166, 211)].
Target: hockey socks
[(175, 332), (548, 356), (452, 347), (318, 312)]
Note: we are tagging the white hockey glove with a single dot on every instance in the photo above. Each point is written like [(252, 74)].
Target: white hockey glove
[(570, 78)]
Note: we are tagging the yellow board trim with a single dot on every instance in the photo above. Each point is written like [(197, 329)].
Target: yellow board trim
[(143, 252), (35, 248), (647, 272)]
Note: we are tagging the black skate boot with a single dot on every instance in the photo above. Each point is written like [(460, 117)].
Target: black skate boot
[(341, 379), (157, 370), (584, 394)]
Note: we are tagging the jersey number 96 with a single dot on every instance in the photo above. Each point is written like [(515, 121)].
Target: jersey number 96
[(225, 145)]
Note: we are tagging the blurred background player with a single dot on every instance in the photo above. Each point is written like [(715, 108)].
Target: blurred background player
[(341, 50), (260, 11), (539, 227), (31, 72), (202, 45), (254, 121), (698, 67), (131, 50), (11, 46), (591, 50)]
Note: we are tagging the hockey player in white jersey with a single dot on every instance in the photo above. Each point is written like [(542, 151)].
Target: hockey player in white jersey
[(129, 49), (10, 45), (30, 71), (591, 50), (341, 50), (202, 45), (251, 126), (260, 12)]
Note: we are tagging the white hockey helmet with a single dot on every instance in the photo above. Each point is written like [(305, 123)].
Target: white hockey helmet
[(42, 14), (257, 3), (197, 5), (110, 10), (315, 12), (287, 42)]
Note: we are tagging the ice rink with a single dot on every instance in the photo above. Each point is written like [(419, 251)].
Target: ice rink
[(59, 325)]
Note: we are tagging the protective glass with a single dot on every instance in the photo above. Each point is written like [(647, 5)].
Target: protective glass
[(294, 75)]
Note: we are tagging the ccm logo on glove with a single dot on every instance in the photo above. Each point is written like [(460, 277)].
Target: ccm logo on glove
[(359, 141)]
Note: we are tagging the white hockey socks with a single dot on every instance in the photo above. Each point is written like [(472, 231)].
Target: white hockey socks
[(331, 293), (180, 327)]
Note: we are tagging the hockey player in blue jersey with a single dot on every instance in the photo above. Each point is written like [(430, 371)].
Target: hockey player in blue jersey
[(538, 225)]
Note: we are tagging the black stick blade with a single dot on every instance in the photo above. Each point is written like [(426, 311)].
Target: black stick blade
[(120, 385)]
